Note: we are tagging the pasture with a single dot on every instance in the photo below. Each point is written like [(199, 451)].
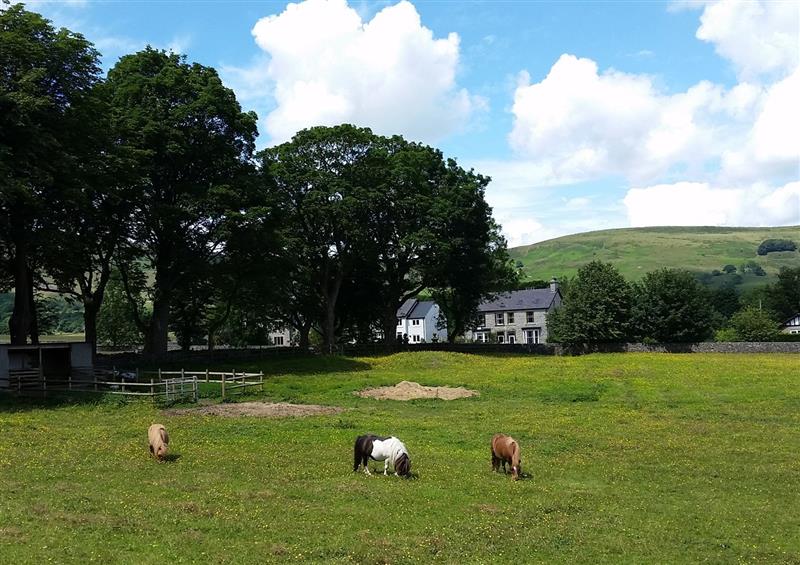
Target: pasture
[(633, 458)]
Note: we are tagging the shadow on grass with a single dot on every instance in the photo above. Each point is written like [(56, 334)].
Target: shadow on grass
[(171, 458), (35, 400)]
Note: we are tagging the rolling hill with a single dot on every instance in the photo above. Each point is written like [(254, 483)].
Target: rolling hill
[(635, 251)]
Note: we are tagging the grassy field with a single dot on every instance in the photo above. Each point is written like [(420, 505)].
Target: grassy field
[(632, 458), (635, 251)]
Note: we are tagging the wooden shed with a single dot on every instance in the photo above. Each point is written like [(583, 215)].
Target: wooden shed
[(51, 360)]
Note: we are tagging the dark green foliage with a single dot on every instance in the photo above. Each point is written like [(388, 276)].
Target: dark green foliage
[(729, 269), (192, 144), (596, 309), (753, 324), (784, 295), (725, 302), (46, 75), (770, 245), (752, 267), (671, 306), (115, 323)]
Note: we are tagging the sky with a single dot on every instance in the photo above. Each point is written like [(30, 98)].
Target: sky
[(587, 115)]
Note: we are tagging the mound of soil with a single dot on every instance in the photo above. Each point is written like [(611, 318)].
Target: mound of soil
[(260, 409), (409, 390)]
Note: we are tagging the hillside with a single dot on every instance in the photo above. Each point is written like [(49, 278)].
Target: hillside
[(635, 251)]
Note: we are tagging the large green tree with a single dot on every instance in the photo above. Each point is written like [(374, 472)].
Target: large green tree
[(46, 75), (784, 294), (669, 305), (596, 309), (193, 146)]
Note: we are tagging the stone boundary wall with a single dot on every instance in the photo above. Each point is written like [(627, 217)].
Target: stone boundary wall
[(222, 355)]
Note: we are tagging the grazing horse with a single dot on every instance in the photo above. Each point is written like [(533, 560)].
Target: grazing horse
[(390, 450), (505, 449), (159, 441)]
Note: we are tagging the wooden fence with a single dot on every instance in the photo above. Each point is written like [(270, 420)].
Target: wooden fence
[(103, 382), (230, 382)]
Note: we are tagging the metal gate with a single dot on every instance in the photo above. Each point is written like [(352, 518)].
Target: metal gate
[(180, 389)]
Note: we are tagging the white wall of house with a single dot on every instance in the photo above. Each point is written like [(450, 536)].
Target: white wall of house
[(422, 330), (281, 337)]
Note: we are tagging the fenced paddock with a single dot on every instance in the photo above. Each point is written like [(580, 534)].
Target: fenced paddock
[(160, 386)]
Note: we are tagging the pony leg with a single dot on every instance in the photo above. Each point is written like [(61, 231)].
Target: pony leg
[(386, 467), (495, 463)]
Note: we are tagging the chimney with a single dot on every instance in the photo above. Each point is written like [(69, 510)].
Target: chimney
[(553, 284)]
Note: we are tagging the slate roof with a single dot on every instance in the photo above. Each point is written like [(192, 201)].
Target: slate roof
[(413, 308), (528, 299)]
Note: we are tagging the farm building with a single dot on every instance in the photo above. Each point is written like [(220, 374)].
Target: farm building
[(51, 360)]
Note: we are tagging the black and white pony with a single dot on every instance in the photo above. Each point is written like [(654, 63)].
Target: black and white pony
[(390, 450)]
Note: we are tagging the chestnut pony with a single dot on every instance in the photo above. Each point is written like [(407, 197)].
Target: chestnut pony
[(505, 449)]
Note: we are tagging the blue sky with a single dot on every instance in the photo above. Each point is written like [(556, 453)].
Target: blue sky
[(587, 115)]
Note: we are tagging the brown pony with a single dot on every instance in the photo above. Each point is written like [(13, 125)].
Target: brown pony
[(505, 449)]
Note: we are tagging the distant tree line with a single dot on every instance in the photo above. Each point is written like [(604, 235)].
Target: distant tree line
[(668, 305), (139, 195)]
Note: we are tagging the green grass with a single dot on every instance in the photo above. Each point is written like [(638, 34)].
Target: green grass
[(638, 458), (635, 251)]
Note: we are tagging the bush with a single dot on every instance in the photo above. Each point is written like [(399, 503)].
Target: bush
[(726, 334), (770, 245), (753, 324)]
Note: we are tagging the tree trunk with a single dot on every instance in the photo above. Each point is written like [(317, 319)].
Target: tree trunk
[(21, 321), (90, 311), (34, 325), (329, 326), (389, 327), (212, 341), (157, 334), (304, 330)]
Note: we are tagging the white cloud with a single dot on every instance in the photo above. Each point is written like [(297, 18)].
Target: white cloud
[(581, 123), (772, 147), (693, 203), (758, 37), (328, 66)]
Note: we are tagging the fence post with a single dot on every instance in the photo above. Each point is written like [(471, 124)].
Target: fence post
[(206, 374), (183, 375), (194, 383), (69, 380), (94, 378), (223, 385), (152, 389), (159, 375), (261, 379)]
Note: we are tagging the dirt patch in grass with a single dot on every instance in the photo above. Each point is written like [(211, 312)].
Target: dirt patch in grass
[(409, 390), (259, 409)]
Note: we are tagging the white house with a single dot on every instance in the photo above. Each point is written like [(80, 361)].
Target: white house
[(519, 316), (417, 320), (792, 325)]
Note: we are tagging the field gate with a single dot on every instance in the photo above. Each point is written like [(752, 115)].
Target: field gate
[(182, 388)]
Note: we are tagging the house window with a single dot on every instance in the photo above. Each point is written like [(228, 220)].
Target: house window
[(512, 337), (498, 319), (480, 337), (416, 339), (510, 316), (399, 336), (531, 336), (414, 322), (501, 338), (486, 318), (399, 323), (529, 317), (277, 340)]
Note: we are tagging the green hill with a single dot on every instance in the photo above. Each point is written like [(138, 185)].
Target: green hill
[(635, 251)]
